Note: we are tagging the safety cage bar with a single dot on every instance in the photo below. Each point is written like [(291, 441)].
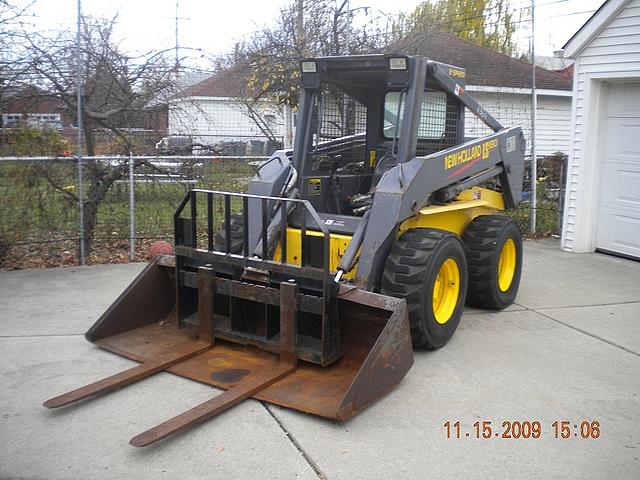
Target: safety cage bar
[(186, 230)]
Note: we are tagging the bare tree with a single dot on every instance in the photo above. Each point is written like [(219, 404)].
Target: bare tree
[(13, 60), (269, 59), (265, 65), (118, 91)]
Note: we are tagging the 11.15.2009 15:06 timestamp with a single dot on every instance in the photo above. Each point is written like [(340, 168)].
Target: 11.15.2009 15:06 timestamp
[(486, 429)]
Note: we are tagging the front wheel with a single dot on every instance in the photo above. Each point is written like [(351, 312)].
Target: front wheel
[(428, 268)]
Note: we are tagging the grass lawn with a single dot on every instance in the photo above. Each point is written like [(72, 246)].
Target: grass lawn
[(40, 223)]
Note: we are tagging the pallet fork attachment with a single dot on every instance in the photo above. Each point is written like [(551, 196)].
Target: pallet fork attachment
[(377, 350), (250, 385)]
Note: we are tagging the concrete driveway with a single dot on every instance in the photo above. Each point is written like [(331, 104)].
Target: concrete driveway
[(568, 351)]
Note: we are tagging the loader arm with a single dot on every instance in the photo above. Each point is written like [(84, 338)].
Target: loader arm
[(451, 86), (407, 187)]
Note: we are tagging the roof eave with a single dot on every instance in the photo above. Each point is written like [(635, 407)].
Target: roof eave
[(554, 92), (583, 37)]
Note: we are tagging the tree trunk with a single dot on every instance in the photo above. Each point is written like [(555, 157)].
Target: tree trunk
[(89, 136), (95, 187), (90, 219), (99, 182)]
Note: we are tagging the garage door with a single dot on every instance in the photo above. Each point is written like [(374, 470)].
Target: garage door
[(618, 229)]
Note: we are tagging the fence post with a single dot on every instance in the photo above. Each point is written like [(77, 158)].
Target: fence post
[(563, 182), (132, 210), (83, 252), (288, 127)]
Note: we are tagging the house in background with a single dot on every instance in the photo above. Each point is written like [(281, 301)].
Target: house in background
[(603, 183), (38, 108), (557, 64), (213, 112), (27, 106), (502, 85)]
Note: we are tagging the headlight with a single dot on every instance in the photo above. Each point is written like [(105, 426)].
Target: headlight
[(398, 63), (308, 67)]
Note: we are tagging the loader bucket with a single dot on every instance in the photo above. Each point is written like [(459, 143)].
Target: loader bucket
[(143, 325)]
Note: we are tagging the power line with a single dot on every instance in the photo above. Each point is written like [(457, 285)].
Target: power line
[(550, 3), (572, 13)]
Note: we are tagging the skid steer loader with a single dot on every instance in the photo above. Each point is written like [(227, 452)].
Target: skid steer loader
[(367, 238)]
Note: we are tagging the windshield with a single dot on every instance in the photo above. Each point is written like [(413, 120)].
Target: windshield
[(338, 129), (337, 115)]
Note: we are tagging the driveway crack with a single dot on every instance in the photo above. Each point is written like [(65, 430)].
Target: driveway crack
[(314, 466), (631, 302), (592, 335), (44, 335)]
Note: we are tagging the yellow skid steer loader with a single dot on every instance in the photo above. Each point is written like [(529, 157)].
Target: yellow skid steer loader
[(366, 239)]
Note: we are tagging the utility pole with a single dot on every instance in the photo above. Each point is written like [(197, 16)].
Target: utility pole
[(300, 22), (287, 110), (176, 47), (348, 30), (534, 108), (79, 137)]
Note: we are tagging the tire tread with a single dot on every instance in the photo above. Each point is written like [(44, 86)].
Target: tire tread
[(404, 274), (480, 239)]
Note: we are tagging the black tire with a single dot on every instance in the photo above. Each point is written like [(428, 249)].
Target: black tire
[(484, 239), (410, 273), (237, 235)]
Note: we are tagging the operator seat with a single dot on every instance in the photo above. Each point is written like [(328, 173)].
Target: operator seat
[(386, 163)]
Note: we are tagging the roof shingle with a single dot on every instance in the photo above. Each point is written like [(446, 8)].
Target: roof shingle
[(483, 66), (225, 83)]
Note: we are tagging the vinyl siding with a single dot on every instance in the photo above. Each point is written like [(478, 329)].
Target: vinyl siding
[(614, 51), (553, 127), (212, 120), (514, 110)]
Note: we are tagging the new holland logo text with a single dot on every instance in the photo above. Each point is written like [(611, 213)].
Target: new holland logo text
[(468, 156)]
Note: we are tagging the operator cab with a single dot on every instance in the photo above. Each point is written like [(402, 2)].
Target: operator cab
[(352, 120)]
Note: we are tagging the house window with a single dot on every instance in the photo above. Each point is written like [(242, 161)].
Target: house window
[(51, 120), (11, 120)]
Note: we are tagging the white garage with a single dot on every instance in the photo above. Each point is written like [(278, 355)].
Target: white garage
[(603, 182)]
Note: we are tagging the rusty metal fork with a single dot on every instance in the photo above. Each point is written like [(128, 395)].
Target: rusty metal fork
[(150, 367), (247, 387), (127, 377)]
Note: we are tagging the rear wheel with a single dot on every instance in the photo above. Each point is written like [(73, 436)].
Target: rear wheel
[(494, 251), (428, 268)]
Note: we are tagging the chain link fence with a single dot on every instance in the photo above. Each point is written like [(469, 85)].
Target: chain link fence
[(40, 209), (40, 214), (551, 181)]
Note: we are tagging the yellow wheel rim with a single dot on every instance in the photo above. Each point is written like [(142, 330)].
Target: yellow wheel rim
[(507, 265), (446, 290)]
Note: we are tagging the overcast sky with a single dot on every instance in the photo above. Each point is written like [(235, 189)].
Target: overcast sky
[(213, 25)]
